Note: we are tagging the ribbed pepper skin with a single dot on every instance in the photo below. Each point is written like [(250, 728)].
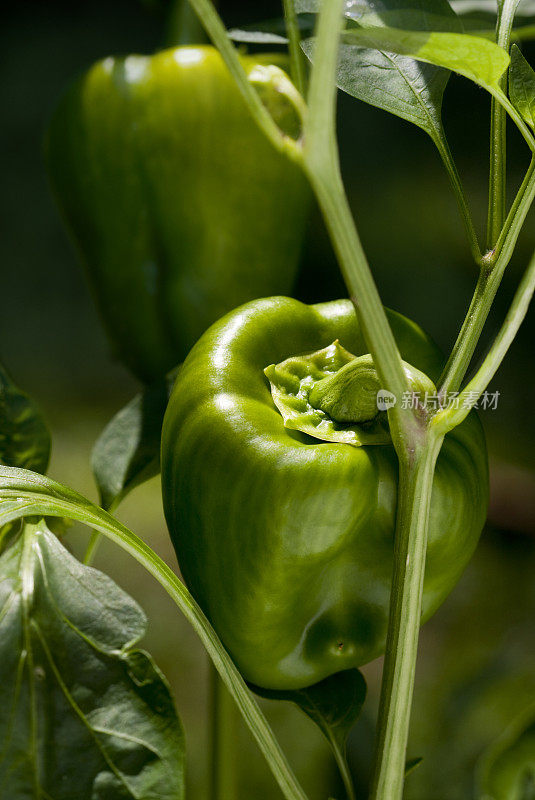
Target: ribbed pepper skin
[(180, 207), (287, 541)]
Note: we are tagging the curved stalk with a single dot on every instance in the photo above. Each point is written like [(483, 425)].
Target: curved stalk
[(487, 286), (458, 190), (450, 417), (343, 768)]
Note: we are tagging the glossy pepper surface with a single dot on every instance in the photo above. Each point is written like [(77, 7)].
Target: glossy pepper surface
[(180, 207), (287, 540)]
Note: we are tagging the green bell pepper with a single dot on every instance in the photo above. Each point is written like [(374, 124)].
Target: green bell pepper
[(284, 532), (180, 207)]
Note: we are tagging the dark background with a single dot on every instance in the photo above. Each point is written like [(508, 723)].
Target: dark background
[(477, 653)]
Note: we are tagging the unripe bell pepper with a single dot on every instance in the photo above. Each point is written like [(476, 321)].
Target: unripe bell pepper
[(180, 207), (280, 496)]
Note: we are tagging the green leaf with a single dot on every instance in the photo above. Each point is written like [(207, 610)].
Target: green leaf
[(85, 715), (24, 435), (256, 36), (475, 6), (24, 493), (272, 31), (127, 452), (506, 771), (472, 56), (489, 8), (417, 15), (394, 83), (334, 704), (479, 17), (522, 86)]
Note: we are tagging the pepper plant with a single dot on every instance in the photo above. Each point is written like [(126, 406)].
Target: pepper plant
[(321, 507)]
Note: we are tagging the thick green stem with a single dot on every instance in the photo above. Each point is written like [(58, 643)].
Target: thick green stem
[(323, 169), (376, 329), (498, 140), (488, 283), (414, 500), (224, 776)]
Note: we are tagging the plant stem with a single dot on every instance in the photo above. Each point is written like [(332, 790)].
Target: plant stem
[(223, 784), (92, 548), (323, 170), (455, 181), (414, 500), (451, 417), (297, 57), (498, 134), (517, 215), (343, 767), (96, 537), (487, 286), (417, 453)]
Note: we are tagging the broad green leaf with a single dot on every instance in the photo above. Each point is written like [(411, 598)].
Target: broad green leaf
[(24, 493), (522, 86), (394, 83), (260, 33), (256, 36), (85, 714), (479, 17), (414, 15), (475, 6), (476, 58), (417, 15), (24, 435), (506, 771), (334, 705), (490, 7), (127, 452)]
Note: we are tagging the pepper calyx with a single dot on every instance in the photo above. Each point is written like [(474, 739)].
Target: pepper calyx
[(335, 396)]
